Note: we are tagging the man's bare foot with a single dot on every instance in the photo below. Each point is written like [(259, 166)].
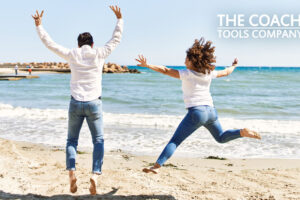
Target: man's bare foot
[(251, 134), (153, 169), (73, 186), (93, 189), (72, 177)]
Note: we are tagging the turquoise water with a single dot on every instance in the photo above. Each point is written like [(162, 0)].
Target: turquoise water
[(142, 111), (250, 92)]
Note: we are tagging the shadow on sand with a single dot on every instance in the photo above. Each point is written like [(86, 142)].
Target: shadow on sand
[(109, 195)]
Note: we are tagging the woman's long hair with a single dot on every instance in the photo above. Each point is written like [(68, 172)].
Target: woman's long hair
[(201, 55)]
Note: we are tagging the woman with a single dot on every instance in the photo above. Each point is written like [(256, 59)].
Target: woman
[(196, 79)]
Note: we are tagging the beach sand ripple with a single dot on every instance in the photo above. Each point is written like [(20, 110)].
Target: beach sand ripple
[(31, 171)]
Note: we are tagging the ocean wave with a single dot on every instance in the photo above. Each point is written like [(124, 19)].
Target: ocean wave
[(150, 120), (147, 134)]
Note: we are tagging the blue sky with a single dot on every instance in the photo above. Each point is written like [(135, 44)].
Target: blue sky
[(162, 30)]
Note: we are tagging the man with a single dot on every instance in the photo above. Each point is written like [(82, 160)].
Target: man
[(29, 69), (16, 70), (86, 65)]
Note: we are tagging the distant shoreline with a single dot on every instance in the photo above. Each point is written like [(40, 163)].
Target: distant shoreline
[(59, 67)]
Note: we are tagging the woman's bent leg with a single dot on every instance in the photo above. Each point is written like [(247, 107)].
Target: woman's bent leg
[(215, 129)]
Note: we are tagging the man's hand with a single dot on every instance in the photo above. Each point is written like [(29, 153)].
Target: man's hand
[(38, 18), (235, 62), (117, 11), (142, 61)]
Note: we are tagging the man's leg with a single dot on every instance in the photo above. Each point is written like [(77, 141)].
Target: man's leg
[(74, 126), (95, 123)]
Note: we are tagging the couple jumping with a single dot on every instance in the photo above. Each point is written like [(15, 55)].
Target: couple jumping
[(86, 64)]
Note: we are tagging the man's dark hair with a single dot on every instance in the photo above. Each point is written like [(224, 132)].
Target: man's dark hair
[(85, 38)]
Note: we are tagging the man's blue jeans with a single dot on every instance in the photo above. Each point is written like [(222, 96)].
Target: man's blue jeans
[(92, 111), (197, 116)]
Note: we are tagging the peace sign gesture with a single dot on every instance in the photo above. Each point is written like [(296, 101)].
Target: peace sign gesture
[(117, 11), (38, 18)]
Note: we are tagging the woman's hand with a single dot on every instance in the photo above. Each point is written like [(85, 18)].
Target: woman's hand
[(235, 62), (228, 70), (38, 18), (158, 68), (142, 61)]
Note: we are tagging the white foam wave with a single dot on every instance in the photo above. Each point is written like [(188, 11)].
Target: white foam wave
[(147, 134)]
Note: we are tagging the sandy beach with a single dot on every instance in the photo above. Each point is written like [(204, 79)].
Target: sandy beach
[(11, 71), (31, 171), (7, 70)]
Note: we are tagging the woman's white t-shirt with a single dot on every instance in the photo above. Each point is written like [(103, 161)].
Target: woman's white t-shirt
[(195, 87)]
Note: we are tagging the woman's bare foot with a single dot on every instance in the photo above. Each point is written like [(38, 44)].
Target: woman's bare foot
[(153, 169), (73, 186), (251, 134), (93, 186)]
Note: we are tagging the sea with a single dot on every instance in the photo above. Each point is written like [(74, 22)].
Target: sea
[(142, 111)]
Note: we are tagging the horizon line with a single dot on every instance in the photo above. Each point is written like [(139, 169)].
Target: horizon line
[(228, 65), (295, 66)]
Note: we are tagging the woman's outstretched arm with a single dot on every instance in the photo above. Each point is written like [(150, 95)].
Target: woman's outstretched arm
[(158, 68), (228, 70)]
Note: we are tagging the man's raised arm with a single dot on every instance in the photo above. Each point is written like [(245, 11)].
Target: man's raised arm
[(117, 35), (46, 39)]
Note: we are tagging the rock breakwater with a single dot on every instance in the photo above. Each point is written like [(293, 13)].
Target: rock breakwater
[(64, 67)]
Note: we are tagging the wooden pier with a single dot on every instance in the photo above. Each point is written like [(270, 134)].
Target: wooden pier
[(15, 78)]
